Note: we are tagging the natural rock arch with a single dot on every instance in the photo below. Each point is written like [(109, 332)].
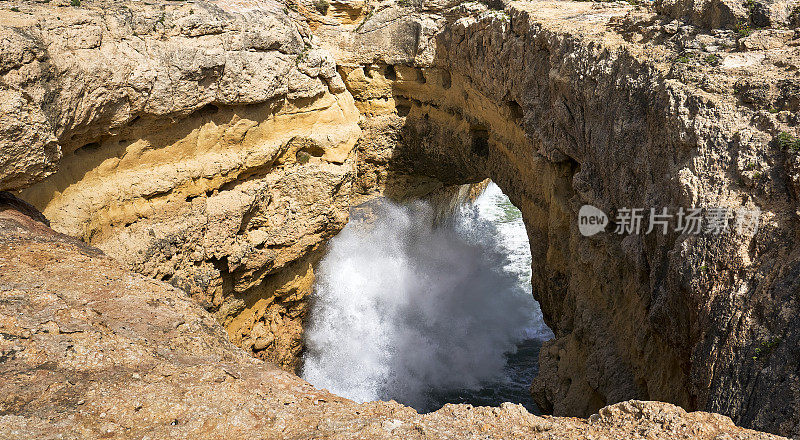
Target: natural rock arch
[(522, 98), (223, 171)]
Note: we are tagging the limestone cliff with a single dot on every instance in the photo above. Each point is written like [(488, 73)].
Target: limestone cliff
[(89, 349), (564, 104), (217, 146), (204, 147)]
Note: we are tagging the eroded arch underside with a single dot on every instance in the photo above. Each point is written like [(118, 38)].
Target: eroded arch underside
[(231, 191)]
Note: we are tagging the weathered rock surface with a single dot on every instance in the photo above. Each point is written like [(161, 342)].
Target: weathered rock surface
[(616, 120), (567, 103), (206, 147), (91, 350), (217, 146), (732, 14)]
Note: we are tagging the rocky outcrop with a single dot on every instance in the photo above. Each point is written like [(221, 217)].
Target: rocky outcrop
[(679, 318), (730, 14), (565, 104), (217, 146), (91, 350), (204, 147)]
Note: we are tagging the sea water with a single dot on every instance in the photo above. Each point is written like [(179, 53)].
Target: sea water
[(426, 315)]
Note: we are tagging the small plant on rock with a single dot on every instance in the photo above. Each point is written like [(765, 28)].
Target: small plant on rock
[(789, 142), (763, 351), (302, 56), (302, 157), (75, 2), (322, 6), (743, 29), (713, 60)]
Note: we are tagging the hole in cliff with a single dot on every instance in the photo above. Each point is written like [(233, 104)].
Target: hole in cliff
[(208, 110), (515, 110), (426, 311), (446, 80), (310, 151), (402, 106), (480, 141), (90, 147), (403, 109), (421, 77), (390, 73), (368, 72)]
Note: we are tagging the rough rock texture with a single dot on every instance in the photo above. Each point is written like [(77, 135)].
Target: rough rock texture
[(616, 119), (564, 104), (91, 350), (205, 147), (732, 14), (217, 146)]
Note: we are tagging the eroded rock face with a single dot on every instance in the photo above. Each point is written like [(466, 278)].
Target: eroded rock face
[(565, 104), (217, 146), (731, 14), (643, 315), (92, 350), (207, 147)]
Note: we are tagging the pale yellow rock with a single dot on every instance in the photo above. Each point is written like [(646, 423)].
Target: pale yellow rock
[(218, 145), (137, 358)]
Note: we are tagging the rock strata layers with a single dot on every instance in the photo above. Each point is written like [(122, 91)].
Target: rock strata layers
[(204, 147), (89, 349), (217, 146), (566, 103)]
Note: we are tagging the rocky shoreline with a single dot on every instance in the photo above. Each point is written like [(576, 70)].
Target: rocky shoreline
[(92, 350), (217, 146)]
